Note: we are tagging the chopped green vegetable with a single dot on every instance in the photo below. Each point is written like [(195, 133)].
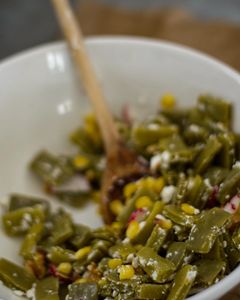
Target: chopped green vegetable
[(217, 109), (227, 154), (207, 229), (205, 158), (47, 289), (157, 267), (148, 226), (17, 201), (145, 136), (15, 276), (152, 291), (51, 169), (62, 228), (178, 254), (88, 291), (175, 214), (176, 228), (19, 221), (236, 237), (208, 270), (82, 235), (229, 186), (182, 283), (157, 238), (57, 255), (29, 244)]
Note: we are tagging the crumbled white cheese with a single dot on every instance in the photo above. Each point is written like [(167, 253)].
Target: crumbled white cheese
[(187, 259), (101, 165), (116, 255), (221, 126), (154, 275), (153, 126), (236, 165), (142, 224), (18, 293), (160, 217), (160, 160), (31, 293), (207, 182), (135, 262), (167, 193), (191, 275), (25, 222), (126, 241), (196, 211), (56, 172), (27, 217), (155, 162), (194, 128), (114, 293), (142, 262), (165, 159), (130, 257)]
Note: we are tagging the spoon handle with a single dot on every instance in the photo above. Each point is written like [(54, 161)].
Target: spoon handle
[(74, 37)]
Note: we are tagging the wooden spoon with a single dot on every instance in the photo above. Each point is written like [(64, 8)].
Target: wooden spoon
[(122, 162)]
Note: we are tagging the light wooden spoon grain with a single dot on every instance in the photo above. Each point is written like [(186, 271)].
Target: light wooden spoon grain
[(122, 162)]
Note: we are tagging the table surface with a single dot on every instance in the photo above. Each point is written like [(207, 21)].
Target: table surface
[(26, 23)]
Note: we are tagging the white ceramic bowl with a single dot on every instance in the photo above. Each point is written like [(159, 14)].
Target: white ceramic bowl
[(41, 101)]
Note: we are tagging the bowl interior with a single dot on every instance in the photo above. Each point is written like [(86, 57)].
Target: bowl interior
[(41, 101)]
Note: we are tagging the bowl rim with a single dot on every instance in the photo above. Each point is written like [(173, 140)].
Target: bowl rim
[(125, 39), (231, 280)]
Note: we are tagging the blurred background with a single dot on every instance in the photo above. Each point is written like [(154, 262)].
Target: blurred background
[(213, 26)]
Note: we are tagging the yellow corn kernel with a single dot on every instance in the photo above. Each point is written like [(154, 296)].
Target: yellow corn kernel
[(81, 162), (129, 189), (168, 101), (116, 207), (142, 183), (126, 272), (90, 118), (159, 184), (132, 230), (93, 133), (150, 182), (165, 223), (64, 268), (189, 209), (114, 263), (116, 226), (81, 280), (81, 253), (91, 128), (143, 201)]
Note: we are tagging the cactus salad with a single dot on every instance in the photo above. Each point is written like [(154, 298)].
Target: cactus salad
[(176, 230)]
